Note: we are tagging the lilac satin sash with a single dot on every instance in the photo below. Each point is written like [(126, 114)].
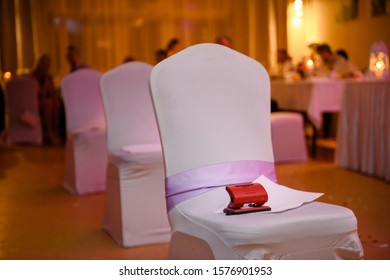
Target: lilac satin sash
[(182, 186)]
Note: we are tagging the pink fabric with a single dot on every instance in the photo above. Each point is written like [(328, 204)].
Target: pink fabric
[(184, 185)]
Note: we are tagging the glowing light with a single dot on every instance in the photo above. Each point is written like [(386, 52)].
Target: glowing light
[(298, 8), (309, 63), (379, 60), (7, 75), (380, 65), (298, 4), (299, 14), (297, 21)]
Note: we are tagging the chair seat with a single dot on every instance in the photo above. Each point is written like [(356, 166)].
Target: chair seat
[(293, 234)]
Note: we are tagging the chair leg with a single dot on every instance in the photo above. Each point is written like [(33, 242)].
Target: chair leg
[(313, 148), (314, 136)]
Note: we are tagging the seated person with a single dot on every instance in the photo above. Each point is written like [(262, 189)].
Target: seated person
[(224, 40), (173, 47), (73, 58), (284, 67), (336, 62), (128, 58), (342, 53), (160, 55)]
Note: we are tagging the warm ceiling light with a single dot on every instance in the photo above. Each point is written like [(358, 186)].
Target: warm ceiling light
[(298, 8)]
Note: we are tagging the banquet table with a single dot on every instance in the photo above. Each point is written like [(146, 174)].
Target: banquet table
[(313, 96), (363, 136)]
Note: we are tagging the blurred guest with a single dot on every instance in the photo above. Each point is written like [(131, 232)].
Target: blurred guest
[(301, 70), (343, 53), (48, 100), (160, 55), (128, 58), (174, 46), (336, 64), (73, 57), (225, 41), (284, 67)]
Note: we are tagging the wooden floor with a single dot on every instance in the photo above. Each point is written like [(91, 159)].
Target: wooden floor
[(39, 219)]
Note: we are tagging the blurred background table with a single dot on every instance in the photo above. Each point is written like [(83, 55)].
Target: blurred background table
[(312, 97), (363, 136)]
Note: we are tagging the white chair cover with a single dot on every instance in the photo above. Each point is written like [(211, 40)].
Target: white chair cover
[(213, 110), (86, 144), (288, 137), (135, 209), (24, 121)]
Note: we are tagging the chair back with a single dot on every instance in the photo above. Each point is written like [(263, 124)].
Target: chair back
[(82, 101), (23, 110), (212, 106), (128, 106), (213, 111)]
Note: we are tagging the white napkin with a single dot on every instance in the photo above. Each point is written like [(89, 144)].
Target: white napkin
[(281, 198)]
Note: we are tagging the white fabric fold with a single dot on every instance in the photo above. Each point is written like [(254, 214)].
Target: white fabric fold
[(142, 148)]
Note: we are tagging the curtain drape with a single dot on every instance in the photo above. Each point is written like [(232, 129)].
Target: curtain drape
[(107, 31)]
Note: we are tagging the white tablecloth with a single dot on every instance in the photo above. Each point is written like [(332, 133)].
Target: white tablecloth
[(363, 137), (313, 96)]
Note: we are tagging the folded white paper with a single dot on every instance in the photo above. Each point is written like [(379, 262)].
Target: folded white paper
[(281, 198)]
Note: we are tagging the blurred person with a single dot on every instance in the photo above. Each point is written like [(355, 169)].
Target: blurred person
[(48, 100), (224, 40), (73, 57), (343, 53), (128, 58), (284, 67), (174, 46), (336, 64), (160, 55), (301, 70)]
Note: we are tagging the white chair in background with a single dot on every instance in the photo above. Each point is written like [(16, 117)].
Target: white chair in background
[(86, 144), (135, 210), (24, 121), (288, 137), (213, 110)]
